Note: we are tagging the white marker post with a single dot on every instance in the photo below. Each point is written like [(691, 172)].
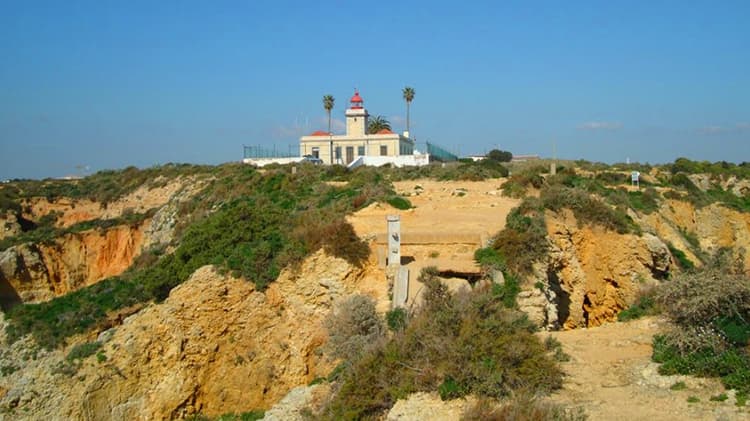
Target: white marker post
[(635, 179)]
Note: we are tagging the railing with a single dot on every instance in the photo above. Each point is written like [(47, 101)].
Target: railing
[(439, 154), (273, 152)]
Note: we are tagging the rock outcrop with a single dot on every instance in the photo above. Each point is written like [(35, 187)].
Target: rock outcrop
[(591, 274), (33, 273), (215, 345), (712, 227)]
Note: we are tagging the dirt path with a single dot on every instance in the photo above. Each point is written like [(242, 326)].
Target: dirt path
[(610, 375)]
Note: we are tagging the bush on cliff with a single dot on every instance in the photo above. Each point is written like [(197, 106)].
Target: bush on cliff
[(710, 312), (457, 345)]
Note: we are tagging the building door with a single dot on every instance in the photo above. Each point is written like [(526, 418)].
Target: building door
[(349, 154)]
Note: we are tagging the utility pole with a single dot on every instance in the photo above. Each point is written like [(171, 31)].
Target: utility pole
[(553, 165)]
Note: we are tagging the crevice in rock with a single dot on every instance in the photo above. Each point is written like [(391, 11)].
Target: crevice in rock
[(9, 298), (472, 277), (563, 297), (585, 308)]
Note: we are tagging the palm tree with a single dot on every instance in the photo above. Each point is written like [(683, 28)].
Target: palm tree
[(377, 124), (409, 97), (328, 101)]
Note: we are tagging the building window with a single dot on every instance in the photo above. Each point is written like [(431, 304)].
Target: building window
[(316, 152), (338, 153), (383, 150), (361, 150)]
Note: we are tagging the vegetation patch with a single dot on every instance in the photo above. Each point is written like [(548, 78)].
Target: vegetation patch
[(681, 258), (678, 386), (84, 350), (710, 311), (455, 345), (250, 223), (522, 242), (645, 305), (521, 407), (399, 202), (587, 209)]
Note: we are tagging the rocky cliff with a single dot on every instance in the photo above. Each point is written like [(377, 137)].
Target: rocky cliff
[(592, 274), (35, 272), (215, 345), (32, 273)]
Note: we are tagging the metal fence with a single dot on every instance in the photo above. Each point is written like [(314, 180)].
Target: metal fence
[(440, 154), (256, 151)]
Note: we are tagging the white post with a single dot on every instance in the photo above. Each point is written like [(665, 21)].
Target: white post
[(394, 240)]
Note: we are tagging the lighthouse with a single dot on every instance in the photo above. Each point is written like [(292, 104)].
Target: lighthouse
[(356, 117)]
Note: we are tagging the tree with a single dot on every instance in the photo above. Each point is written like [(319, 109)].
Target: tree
[(328, 101), (408, 97), (377, 124), (500, 156)]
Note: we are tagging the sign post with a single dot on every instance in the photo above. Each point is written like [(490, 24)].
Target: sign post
[(635, 179)]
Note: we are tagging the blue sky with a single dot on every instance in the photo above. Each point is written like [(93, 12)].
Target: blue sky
[(109, 84)]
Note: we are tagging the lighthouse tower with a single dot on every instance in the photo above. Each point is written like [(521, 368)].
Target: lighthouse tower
[(356, 117)]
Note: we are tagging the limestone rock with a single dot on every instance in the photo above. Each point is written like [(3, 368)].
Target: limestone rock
[(428, 406), (596, 273), (215, 345), (296, 402), (39, 272), (9, 225)]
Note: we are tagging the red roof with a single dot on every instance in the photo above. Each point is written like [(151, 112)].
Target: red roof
[(356, 100), (385, 131), (319, 133)]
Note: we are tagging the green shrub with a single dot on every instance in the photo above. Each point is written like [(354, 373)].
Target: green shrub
[(719, 398), (587, 209), (709, 310), (82, 351), (645, 305), (244, 416), (352, 327), (507, 291), (449, 389), (555, 347), (396, 319), (76, 312), (8, 369), (518, 183), (682, 260), (455, 345), (678, 386), (489, 258), (399, 202), (693, 399)]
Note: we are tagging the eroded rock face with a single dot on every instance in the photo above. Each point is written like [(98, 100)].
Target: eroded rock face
[(596, 273), (32, 273), (215, 345), (713, 226), (73, 211)]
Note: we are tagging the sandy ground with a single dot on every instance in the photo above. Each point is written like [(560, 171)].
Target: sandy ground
[(459, 215), (452, 206), (610, 375)]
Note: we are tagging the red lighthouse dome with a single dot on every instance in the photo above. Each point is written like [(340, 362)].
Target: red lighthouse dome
[(356, 100)]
